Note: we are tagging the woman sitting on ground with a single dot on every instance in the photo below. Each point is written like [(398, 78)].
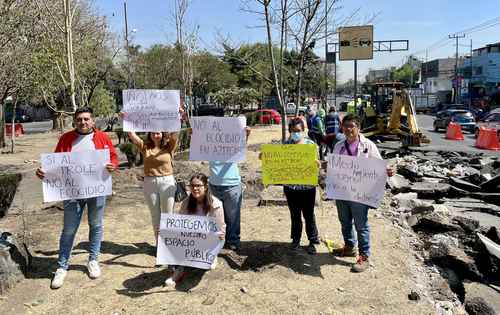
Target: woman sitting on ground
[(202, 203)]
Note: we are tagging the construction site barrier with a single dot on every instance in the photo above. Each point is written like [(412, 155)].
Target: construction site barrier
[(454, 132), (487, 139), (18, 130)]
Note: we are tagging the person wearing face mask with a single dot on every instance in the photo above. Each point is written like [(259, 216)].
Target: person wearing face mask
[(355, 144), (301, 198)]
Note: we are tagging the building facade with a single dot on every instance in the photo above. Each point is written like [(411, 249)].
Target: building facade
[(438, 75), (483, 69), (378, 75)]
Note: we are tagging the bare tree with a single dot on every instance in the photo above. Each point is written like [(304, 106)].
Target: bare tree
[(307, 28), (186, 42), (67, 30)]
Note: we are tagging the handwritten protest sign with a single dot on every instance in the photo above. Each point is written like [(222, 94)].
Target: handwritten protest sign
[(188, 240), (289, 164), (357, 179), (151, 110), (218, 139), (75, 175)]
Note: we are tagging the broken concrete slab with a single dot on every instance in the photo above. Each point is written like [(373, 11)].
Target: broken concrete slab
[(430, 190), (469, 225), (398, 183), (481, 299), (491, 185), (434, 223), (492, 247), (465, 185), (452, 257), (15, 261)]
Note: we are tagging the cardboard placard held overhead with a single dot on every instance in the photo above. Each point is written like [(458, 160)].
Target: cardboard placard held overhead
[(218, 139), (151, 110), (356, 42)]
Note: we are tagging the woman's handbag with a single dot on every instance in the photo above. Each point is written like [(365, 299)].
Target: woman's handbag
[(180, 191)]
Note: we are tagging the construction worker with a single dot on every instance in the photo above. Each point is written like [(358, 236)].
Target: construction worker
[(317, 131), (332, 126)]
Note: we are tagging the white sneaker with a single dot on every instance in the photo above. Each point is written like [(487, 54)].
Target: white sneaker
[(94, 269), (176, 276), (58, 279), (214, 264)]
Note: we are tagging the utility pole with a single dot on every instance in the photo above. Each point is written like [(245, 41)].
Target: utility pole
[(470, 79), (127, 44), (355, 81), (456, 37)]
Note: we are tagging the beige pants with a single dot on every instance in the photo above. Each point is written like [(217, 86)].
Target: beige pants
[(159, 193)]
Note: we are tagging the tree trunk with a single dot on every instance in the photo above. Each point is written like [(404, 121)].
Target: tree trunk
[(284, 13), (2, 127), (13, 127), (273, 63), (2, 119), (68, 17)]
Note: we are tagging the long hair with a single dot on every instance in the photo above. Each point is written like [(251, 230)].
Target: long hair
[(207, 202), (168, 141)]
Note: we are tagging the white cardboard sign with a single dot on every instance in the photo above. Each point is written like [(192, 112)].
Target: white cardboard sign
[(218, 139), (75, 175), (151, 110), (188, 240), (358, 179)]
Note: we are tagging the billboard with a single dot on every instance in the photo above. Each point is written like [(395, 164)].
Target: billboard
[(356, 42)]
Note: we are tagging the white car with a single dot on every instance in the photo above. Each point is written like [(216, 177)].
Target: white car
[(491, 120)]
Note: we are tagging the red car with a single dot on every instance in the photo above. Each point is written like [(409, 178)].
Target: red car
[(268, 116)]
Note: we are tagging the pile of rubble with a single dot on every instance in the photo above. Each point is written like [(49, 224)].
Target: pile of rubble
[(451, 204)]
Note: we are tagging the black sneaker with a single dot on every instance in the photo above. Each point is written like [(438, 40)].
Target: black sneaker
[(234, 247), (295, 245), (315, 241), (311, 249)]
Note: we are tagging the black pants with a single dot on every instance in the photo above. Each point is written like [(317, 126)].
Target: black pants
[(302, 201), (321, 147)]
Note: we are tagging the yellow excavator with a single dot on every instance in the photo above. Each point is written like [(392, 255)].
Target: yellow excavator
[(391, 114)]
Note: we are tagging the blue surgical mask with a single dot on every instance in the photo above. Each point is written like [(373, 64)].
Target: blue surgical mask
[(295, 136)]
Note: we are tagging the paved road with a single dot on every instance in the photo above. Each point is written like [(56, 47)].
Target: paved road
[(438, 142), (37, 126)]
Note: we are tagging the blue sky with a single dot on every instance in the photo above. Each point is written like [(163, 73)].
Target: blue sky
[(423, 22)]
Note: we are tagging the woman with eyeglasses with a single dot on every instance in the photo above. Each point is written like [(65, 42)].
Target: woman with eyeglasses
[(355, 144), (202, 203), (301, 198)]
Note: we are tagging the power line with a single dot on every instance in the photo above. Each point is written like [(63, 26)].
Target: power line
[(446, 40)]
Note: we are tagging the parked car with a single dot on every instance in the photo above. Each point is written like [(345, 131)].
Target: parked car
[(268, 116), (492, 120), (460, 116), (209, 110), (20, 117)]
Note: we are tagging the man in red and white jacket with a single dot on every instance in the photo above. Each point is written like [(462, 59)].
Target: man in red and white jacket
[(84, 137)]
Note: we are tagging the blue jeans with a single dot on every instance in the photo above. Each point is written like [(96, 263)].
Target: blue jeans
[(349, 211), (73, 210), (231, 197)]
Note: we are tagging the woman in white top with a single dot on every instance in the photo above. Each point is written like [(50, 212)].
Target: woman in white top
[(202, 203)]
